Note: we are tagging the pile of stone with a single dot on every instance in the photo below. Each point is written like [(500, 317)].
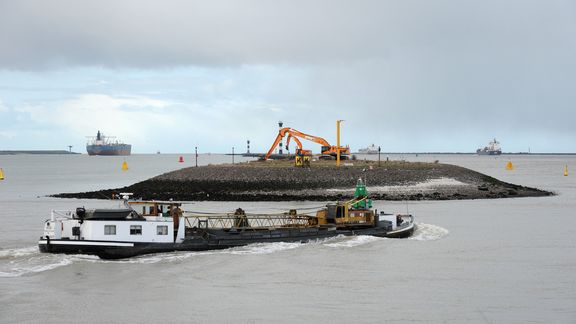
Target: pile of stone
[(260, 181)]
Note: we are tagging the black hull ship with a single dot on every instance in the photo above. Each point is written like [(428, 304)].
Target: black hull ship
[(164, 227)]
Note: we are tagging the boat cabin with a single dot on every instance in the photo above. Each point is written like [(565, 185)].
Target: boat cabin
[(343, 216), (158, 222)]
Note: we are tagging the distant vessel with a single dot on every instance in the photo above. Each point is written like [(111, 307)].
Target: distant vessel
[(102, 145), (372, 149), (493, 148)]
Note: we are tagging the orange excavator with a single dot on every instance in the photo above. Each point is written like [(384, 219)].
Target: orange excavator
[(328, 151), (299, 151)]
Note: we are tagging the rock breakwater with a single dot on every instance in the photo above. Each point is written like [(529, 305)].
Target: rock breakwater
[(281, 181)]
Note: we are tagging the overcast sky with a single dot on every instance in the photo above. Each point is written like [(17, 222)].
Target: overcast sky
[(410, 76)]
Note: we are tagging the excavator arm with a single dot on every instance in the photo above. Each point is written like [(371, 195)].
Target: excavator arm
[(315, 139), (326, 149), (299, 151), (296, 140), (278, 139)]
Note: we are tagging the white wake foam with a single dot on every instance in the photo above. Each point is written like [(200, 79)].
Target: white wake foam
[(264, 248), (19, 252), (428, 232), (352, 241), (165, 257), (33, 264)]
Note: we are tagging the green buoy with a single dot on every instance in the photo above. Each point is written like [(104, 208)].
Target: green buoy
[(361, 196)]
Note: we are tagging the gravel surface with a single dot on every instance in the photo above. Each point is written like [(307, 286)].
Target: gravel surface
[(281, 181)]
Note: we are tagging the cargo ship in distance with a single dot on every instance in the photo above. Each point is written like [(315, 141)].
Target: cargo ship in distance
[(372, 149), (103, 145), (493, 148)]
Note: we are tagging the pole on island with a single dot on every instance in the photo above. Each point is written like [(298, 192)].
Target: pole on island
[(338, 142)]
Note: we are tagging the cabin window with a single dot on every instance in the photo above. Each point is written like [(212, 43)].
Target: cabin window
[(135, 229), (340, 212), (162, 230), (109, 229)]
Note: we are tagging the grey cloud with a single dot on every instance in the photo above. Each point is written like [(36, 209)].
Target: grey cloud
[(148, 34), (399, 72)]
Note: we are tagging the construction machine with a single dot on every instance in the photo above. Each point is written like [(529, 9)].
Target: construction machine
[(299, 149), (328, 151), (301, 156)]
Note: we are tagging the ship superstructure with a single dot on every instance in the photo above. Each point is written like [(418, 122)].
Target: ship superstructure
[(493, 148)]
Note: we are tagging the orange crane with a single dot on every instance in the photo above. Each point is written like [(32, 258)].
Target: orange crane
[(328, 151)]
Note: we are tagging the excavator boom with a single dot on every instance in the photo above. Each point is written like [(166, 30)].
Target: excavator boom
[(296, 140), (327, 149)]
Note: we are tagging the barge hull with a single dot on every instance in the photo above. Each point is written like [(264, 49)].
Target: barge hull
[(215, 241)]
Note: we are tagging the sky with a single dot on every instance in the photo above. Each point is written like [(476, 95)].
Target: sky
[(172, 75)]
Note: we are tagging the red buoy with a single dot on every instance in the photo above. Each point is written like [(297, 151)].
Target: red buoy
[(181, 159)]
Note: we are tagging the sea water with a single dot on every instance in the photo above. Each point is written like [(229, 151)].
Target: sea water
[(484, 261)]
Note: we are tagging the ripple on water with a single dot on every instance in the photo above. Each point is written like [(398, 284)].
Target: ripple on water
[(28, 260), (23, 261), (19, 252)]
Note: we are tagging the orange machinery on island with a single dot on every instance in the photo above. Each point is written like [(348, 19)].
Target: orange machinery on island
[(328, 151)]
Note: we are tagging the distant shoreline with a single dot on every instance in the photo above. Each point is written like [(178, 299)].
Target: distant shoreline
[(277, 156), (37, 152), (256, 155), (463, 153)]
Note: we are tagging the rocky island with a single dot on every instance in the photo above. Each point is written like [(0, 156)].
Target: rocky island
[(281, 181)]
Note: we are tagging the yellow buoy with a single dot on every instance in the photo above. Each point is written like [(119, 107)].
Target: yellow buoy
[(565, 170), (124, 166), (1, 174), (509, 166)]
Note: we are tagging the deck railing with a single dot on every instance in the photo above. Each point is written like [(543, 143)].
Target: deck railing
[(61, 214), (247, 221)]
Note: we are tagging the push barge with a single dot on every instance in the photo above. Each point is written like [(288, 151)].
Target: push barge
[(144, 227)]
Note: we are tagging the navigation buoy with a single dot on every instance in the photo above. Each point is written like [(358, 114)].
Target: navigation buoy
[(124, 166), (181, 159), (1, 174), (509, 166), (565, 171)]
